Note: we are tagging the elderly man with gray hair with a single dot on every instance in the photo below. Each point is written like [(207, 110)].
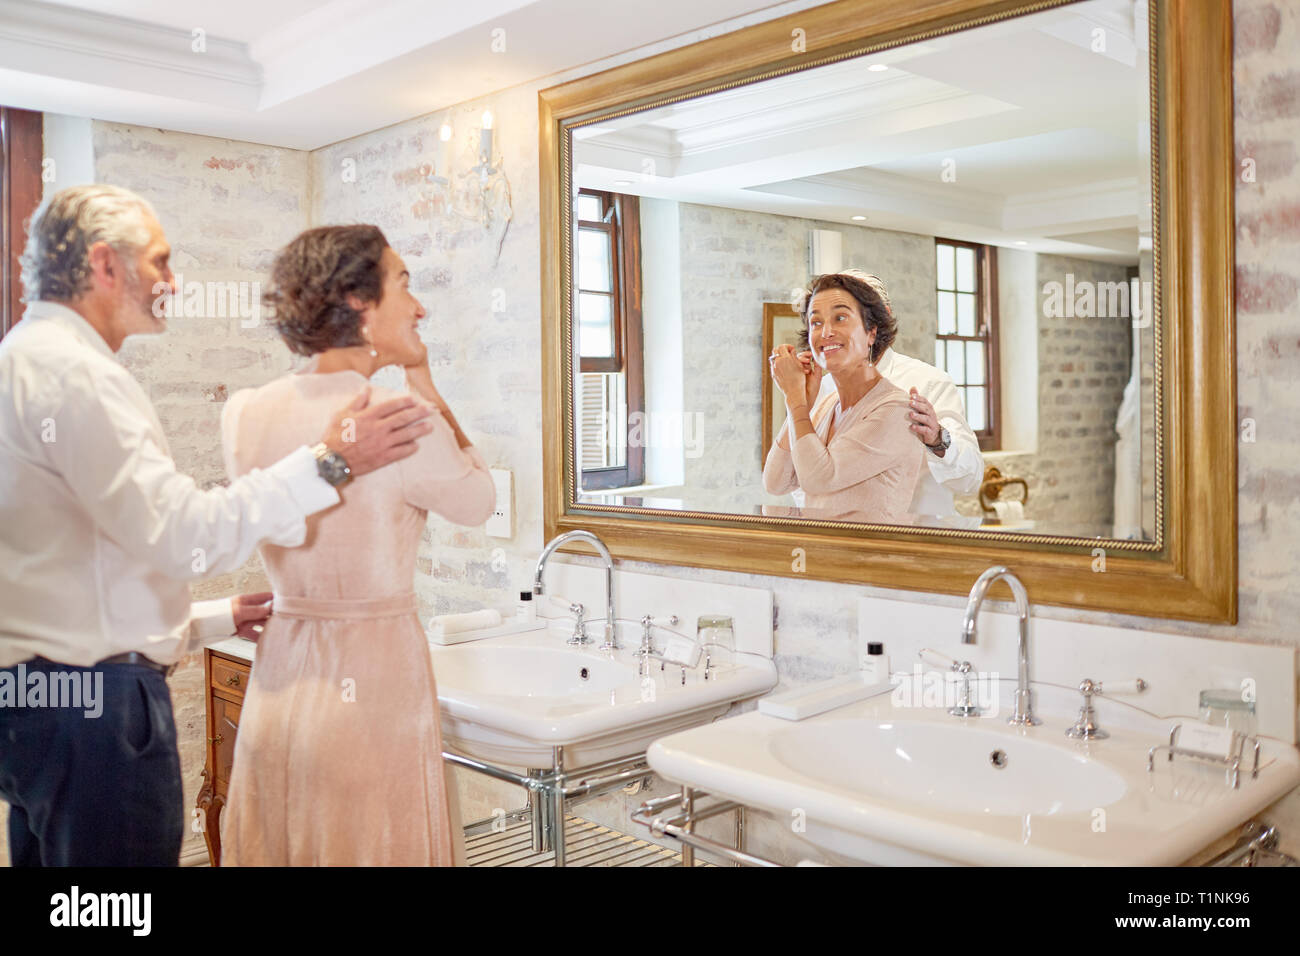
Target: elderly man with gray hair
[(99, 534)]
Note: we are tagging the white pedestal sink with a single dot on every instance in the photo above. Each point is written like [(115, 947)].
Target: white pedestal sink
[(513, 699), (873, 782)]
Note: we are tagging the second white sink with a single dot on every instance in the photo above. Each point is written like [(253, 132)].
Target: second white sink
[(512, 699), (914, 761), (880, 782)]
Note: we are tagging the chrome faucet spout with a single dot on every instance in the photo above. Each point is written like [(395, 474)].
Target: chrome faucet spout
[(1024, 709), (611, 635)]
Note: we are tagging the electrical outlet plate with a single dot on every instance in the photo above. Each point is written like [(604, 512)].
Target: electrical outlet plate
[(502, 524)]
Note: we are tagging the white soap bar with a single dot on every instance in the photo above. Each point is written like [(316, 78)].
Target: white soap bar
[(820, 697), (1206, 739), (471, 621), (681, 650), (437, 635)]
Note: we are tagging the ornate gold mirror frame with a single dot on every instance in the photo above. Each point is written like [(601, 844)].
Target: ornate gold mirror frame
[(1190, 571)]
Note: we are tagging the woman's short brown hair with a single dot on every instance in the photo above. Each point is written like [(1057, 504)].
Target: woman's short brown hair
[(875, 314), (311, 280)]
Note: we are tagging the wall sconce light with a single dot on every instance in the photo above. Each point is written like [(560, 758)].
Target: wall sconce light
[(438, 173), (443, 160), (493, 203), (481, 193), (485, 167)]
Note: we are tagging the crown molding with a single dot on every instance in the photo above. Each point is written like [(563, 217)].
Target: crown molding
[(90, 47)]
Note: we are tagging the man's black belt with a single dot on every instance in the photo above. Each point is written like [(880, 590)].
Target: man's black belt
[(130, 657), (135, 657)]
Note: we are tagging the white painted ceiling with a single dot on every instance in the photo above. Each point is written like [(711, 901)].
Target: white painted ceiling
[(1042, 129), (306, 73)]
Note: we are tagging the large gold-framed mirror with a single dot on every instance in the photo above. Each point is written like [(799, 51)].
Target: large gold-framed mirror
[(1006, 209)]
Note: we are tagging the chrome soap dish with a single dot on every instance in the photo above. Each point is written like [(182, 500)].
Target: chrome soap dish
[(1231, 761)]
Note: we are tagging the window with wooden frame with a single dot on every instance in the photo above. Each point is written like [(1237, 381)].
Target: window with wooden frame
[(966, 346), (607, 319), (20, 192)]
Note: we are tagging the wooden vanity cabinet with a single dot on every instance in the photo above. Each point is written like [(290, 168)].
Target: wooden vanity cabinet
[(226, 679)]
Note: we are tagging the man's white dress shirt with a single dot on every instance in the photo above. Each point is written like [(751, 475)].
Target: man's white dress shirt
[(961, 469), (98, 531)]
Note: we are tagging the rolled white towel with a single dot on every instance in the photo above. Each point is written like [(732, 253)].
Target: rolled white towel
[(459, 623), (1009, 512)]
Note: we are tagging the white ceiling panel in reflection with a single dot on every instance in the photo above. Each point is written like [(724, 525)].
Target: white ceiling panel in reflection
[(1027, 131)]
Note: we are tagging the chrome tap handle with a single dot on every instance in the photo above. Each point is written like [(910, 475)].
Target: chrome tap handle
[(579, 625), (647, 646), (1086, 727), (936, 659), (1134, 686), (965, 705)]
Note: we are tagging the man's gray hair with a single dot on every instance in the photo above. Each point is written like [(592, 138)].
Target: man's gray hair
[(56, 261)]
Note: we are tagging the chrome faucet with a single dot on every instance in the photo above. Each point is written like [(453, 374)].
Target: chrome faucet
[(1024, 711), (611, 636), (647, 646)]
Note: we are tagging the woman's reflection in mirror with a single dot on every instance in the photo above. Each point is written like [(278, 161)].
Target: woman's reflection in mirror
[(860, 453)]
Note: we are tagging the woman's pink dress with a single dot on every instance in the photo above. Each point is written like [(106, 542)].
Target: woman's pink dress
[(339, 755), (866, 472)]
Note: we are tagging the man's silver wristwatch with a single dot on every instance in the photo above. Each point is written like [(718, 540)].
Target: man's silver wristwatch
[(331, 466), (943, 444)]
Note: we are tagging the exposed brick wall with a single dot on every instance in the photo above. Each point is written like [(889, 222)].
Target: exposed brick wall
[(1083, 366)]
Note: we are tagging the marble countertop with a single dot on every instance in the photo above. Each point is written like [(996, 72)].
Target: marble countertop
[(235, 647)]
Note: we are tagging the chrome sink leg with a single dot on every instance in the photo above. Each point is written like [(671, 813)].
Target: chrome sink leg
[(539, 814), (557, 807), (740, 831), (688, 807)]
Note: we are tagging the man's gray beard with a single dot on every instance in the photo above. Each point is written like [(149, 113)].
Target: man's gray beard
[(138, 307)]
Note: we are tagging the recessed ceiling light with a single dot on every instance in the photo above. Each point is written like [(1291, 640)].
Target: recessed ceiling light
[(858, 218), (1021, 242), (622, 182), (877, 68)]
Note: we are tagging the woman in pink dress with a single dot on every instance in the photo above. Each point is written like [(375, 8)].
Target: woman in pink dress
[(854, 456), (339, 755)]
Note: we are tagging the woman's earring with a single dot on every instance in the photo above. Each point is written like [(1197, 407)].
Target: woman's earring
[(373, 353)]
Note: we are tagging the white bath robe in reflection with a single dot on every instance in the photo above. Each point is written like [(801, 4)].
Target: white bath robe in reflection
[(961, 469), (1128, 463)]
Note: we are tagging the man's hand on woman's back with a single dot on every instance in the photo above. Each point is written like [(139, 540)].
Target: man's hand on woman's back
[(372, 436)]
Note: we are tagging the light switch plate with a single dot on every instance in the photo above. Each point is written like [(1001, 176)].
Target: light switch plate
[(502, 524)]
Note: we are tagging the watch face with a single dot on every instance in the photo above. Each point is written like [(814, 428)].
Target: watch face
[(332, 468)]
